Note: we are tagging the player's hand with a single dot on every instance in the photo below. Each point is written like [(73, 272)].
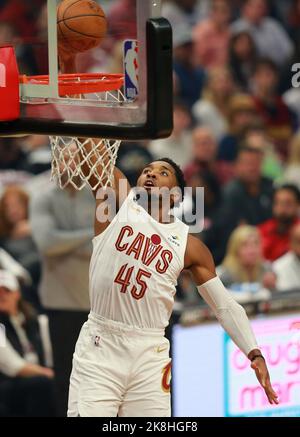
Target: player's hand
[(67, 59), (263, 377)]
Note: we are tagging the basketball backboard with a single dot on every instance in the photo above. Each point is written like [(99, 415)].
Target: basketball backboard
[(138, 42)]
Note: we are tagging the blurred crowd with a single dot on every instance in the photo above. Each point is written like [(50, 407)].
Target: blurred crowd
[(236, 133)]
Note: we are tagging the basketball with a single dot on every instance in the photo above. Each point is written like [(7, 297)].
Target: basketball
[(81, 25)]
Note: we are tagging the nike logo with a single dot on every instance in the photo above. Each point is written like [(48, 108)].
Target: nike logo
[(161, 349)]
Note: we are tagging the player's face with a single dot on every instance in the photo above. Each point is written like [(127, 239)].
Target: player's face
[(158, 174)]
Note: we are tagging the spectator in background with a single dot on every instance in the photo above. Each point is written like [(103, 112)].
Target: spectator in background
[(212, 196), (249, 195), (287, 267), (25, 383), (62, 223), (241, 115), (292, 170), (211, 36), (38, 153), (247, 199), (204, 152), (294, 22), (12, 157), (242, 59), (189, 77), (179, 145), (16, 234), (270, 37), (275, 232), (185, 12), (9, 264), (255, 136), (291, 97), (212, 109), (280, 122), (122, 20), (244, 262)]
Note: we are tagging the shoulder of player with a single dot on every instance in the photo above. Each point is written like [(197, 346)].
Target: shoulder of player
[(195, 252)]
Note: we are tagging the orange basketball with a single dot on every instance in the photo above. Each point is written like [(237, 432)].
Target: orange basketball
[(81, 25)]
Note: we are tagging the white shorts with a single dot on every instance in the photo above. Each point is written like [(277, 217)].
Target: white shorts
[(119, 370)]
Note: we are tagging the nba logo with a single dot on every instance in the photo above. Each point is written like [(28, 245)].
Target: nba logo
[(2, 336), (131, 69), (97, 340)]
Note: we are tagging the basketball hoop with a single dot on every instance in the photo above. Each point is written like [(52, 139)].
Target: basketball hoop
[(83, 83), (71, 154)]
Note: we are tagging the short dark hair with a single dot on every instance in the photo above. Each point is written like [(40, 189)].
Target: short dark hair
[(178, 173), (265, 62), (244, 148), (288, 187)]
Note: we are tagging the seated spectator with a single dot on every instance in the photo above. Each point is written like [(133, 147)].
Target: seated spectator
[(292, 99), (256, 136), (122, 20), (212, 197), (247, 199), (212, 109), (280, 122), (244, 262), (292, 170), (38, 151), (184, 12), (179, 145), (212, 36), (189, 77), (270, 37), (242, 59), (249, 193), (11, 265), (12, 157), (241, 114), (275, 232), (287, 267), (204, 152), (15, 233), (26, 386), (294, 21)]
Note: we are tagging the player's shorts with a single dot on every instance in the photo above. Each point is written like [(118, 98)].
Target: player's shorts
[(120, 370)]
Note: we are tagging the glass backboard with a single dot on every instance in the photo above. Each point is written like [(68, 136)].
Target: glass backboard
[(133, 61)]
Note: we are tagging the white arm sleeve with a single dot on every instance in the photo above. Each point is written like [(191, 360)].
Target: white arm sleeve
[(230, 314), (11, 363)]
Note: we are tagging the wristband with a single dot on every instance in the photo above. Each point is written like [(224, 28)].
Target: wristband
[(257, 356)]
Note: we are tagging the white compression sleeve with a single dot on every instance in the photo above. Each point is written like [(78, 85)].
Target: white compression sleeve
[(230, 314)]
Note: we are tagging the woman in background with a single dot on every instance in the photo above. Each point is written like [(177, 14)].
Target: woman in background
[(16, 236), (244, 262)]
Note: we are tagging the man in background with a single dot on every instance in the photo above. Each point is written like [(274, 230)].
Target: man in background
[(62, 223), (276, 231)]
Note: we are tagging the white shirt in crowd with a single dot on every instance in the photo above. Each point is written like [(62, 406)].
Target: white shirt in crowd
[(287, 269)]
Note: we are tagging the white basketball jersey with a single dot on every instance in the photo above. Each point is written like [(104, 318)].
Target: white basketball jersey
[(134, 267)]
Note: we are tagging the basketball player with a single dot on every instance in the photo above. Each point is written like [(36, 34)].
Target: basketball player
[(121, 364)]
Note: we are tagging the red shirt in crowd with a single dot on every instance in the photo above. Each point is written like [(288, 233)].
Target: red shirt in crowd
[(275, 244)]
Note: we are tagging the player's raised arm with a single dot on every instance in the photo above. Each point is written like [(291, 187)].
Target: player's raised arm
[(230, 314)]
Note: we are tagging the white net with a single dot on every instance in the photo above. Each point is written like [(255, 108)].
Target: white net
[(78, 162)]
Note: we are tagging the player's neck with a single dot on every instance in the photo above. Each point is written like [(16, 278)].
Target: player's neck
[(156, 210)]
